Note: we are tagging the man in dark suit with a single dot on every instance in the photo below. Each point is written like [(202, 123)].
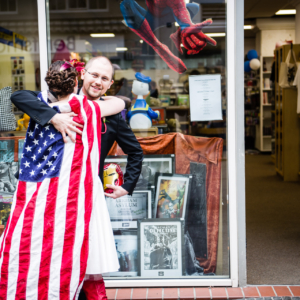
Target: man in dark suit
[(97, 79)]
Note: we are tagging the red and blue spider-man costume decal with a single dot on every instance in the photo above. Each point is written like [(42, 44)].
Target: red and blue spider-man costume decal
[(160, 12)]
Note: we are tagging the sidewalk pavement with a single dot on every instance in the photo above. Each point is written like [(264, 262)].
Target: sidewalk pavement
[(261, 292)]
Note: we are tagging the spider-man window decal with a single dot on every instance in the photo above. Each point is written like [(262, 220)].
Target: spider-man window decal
[(143, 22)]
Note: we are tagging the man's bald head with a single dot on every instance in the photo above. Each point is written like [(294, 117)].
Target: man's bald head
[(99, 59)]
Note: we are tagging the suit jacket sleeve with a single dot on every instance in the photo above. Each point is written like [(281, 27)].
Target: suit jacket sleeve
[(130, 146), (28, 102)]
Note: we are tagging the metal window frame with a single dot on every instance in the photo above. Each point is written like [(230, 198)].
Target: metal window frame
[(10, 12), (80, 10), (236, 157)]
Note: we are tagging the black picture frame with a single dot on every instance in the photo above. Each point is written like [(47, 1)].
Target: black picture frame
[(127, 250), (163, 163), (127, 210), (196, 219), (181, 180), (161, 248)]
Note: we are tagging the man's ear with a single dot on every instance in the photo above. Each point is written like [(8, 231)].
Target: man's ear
[(82, 73), (111, 83)]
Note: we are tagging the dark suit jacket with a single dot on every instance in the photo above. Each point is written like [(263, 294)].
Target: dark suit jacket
[(117, 130)]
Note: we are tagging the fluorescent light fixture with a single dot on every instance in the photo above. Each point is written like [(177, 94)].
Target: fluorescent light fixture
[(216, 34), (247, 27), (121, 49), (141, 41), (102, 35), (286, 12)]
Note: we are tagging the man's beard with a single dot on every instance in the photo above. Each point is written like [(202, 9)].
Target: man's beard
[(94, 94)]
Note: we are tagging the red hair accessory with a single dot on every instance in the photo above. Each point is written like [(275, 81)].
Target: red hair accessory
[(73, 63)]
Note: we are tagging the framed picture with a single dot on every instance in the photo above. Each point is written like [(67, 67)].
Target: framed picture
[(21, 143), (8, 181), (172, 195), (196, 217), (127, 251), (127, 210), (4, 212), (9, 148), (151, 165), (161, 249)]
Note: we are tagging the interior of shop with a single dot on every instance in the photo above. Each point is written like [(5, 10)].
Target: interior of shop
[(85, 29), (272, 142)]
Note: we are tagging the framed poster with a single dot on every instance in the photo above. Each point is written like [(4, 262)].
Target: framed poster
[(9, 148), (196, 217), (151, 165), (127, 210), (127, 250), (161, 250), (8, 181), (172, 195)]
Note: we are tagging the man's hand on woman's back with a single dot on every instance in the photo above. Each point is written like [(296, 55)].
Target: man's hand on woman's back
[(64, 124)]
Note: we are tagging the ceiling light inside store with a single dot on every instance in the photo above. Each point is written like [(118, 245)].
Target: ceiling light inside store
[(141, 41), (248, 27), (216, 34), (121, 49), (187, 1), (176, 24), (286, 12), (102, 35)]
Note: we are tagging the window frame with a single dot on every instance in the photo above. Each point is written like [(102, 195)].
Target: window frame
[(15, 12), (79, 10), (236, 157)]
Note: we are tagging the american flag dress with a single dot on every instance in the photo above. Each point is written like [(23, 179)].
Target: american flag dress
[(59, 224)]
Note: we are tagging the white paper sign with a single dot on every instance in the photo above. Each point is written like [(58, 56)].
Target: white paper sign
[(205, 97)]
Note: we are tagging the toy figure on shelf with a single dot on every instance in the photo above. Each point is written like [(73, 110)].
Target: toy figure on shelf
[(140, 115), (160, 13), (23, 123)]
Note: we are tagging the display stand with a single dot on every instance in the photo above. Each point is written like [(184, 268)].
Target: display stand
[(287, 123)]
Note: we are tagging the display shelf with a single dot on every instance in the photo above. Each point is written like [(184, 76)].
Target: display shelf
[(183, 107), (261, 142), (287, 123)]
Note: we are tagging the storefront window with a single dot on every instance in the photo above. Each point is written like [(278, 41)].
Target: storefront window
[(20, 70), (175, 225)]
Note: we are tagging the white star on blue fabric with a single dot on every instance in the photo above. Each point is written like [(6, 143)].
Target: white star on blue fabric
[(27, 164), (54, 154), (32, 173), (36, 126), (41, 134), (36, 142), (51, 136), (30, 133), (47, 127), (33, 157), (28, 148), (44, 172)]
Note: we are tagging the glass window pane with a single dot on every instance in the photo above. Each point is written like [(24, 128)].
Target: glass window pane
[(20, 70), (81, 3), (61, 4), (3, 5), (93, 4), (175, 223), (73, 3), (12, 5)]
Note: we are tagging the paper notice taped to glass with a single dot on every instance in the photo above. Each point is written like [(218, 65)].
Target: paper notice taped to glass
[(205, 97)]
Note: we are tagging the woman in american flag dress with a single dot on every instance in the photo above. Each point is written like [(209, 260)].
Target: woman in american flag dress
[(59, 228)]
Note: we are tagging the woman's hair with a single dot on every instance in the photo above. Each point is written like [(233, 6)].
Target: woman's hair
[(61, 82)]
